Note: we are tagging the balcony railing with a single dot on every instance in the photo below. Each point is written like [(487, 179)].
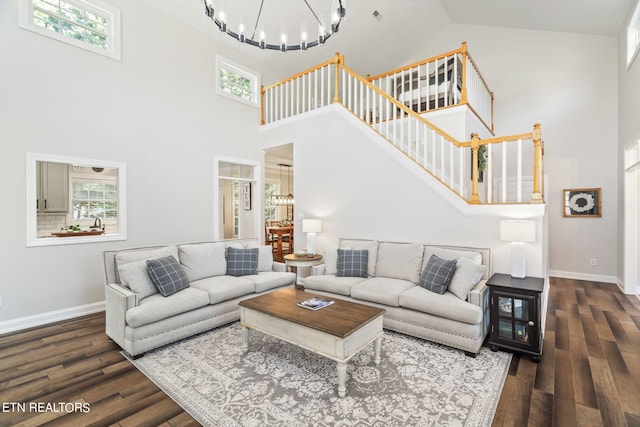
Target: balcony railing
[(443, 81), (507, 170)]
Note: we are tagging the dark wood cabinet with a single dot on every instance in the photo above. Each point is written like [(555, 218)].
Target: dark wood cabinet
[(516, 319)]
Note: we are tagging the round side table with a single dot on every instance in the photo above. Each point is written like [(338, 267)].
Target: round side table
[(294, 261)]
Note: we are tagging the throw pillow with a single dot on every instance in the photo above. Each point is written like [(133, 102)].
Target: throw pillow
[(135, 276), (437, 274), (242, 262), (167, 274), (330, 261), (466, 276), (352, 263)]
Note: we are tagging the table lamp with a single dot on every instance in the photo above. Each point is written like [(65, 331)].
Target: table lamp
[(311, 227), (518, 232)]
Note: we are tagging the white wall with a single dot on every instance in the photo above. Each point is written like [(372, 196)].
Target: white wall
[(362, 187), (568, 83), (156, 110)]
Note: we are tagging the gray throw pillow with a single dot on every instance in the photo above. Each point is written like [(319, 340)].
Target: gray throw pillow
[(242, 262), (437, 274), (466, 276), (167, 274), (352, 263)]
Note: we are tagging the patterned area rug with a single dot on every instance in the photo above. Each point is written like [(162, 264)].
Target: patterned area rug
[(418, 383)]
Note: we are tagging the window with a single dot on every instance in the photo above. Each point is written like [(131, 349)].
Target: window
[(88, 24), (237, 82), (270, 210), (633, 36), (67, 192), (94, 199)]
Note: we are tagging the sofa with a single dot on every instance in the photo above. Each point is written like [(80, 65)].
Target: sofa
[(160, 294), (394, 276)]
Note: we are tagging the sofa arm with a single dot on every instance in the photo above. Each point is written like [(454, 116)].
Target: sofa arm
[(479, 296), (118, 300), (318, 270), (279, 266)]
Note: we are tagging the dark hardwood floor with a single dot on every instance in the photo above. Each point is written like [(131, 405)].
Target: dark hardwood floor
[(589, 374)]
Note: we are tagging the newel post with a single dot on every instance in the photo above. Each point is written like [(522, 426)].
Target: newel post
[(475, 145), (336, 95), (536, 136), (463, 94), (262, 92)]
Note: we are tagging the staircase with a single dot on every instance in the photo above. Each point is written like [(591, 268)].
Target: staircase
[(399, 105)]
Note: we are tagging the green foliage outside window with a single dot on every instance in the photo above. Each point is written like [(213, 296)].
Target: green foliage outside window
[(91, 199), (236, 84), (67, 19)]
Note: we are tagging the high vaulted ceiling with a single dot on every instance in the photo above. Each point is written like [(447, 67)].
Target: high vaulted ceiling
[(375, 44)]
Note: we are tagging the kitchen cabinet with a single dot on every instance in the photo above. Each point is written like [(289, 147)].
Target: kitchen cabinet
[(516, 322), (53, 187)]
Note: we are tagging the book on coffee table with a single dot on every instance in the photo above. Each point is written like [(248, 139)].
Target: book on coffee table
[(315, 303)]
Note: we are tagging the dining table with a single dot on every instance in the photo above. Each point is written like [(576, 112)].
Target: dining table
[(281, 232)]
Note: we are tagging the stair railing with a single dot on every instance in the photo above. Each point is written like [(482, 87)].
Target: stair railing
[(460, 166), (442, 81)]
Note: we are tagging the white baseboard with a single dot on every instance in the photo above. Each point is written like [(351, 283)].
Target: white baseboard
[(585, 276), (50, 317)]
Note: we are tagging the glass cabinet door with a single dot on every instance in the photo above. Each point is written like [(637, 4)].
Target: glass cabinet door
[(514, 318)]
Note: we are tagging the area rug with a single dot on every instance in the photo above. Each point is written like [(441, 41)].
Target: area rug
[(417, 383)]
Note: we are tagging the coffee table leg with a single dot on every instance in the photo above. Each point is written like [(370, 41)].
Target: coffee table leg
[(377, 347), (245, 339), (342, 378)]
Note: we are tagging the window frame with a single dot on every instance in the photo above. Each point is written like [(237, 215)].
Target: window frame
[(633, 36), (254, 77), (96, 7), (31, 194)]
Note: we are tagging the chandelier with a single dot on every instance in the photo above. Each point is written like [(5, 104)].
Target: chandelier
[(284, 199), (258, 36)]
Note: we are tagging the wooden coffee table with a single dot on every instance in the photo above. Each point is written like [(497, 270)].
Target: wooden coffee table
[(337, 331)]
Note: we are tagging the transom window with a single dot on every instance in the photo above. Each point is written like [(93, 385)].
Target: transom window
[(89, 24), (237, 82)]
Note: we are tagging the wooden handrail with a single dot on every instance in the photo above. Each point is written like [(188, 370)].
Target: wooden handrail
[(417, 64), (400, 105), (474, 144), (499, 139), (302, 73)]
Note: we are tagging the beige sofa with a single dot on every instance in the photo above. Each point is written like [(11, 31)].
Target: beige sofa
[(139, 318), (458, 318)]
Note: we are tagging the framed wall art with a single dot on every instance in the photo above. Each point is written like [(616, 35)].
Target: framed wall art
[(582, 203), (246, 196)]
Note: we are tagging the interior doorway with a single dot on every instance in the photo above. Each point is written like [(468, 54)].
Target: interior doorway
[(279, 183), (238, 203)]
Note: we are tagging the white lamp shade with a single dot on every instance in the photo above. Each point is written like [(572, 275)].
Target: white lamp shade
[(311, 226), (518, 230)]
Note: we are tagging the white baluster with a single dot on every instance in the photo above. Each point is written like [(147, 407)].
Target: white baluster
[(519, 174), (490, 173), (504, 171), (451, 183), (461, 171), (368, 110)]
